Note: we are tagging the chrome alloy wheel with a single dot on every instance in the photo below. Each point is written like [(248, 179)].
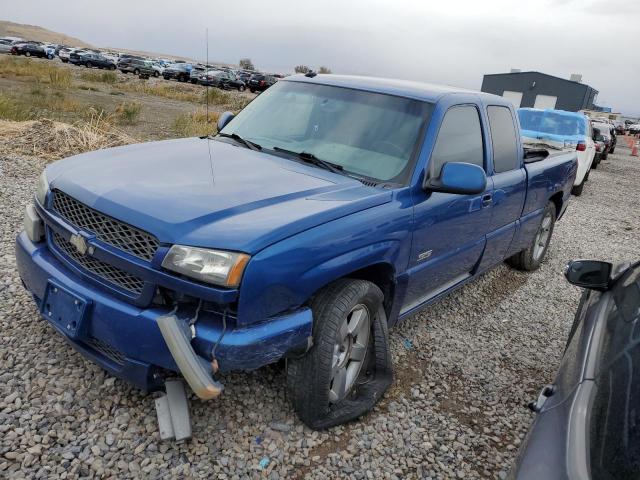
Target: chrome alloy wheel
[(542, 237), (349, 352)]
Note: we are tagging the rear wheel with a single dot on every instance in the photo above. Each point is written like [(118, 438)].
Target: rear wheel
[(27, 54), (531, 258), (612, 150), (136, 71), (349, 366), (112, 67), (252, 90), (88, 64), (156, 73), (241, 88)]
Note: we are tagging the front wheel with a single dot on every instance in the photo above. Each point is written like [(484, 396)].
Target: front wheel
[(156, 73), (241, 88), (531, 258), (612, 150), (136, 71), (27, 54), (348, 367), (88, 64)]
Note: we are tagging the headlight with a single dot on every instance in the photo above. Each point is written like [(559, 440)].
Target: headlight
[(42, 188), (211, 266)]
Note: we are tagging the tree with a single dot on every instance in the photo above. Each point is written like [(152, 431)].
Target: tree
[(302, 69), (324, 69), (246, 64)]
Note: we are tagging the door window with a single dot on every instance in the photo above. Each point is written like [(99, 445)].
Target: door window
[(503, 138), (459, 139)]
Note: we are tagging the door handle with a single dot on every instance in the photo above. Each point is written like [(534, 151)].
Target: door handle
[(486, 200)]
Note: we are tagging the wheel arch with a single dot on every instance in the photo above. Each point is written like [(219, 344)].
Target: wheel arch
[(558, 200)]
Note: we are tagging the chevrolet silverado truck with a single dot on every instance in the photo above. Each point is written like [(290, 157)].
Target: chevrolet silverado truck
[(326, 211)]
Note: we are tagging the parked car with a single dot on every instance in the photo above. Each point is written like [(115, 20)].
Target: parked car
[(29, 49), (586, 427), (312, 240), (634, 128), (196, 73), (158, 69), (605, 131), (260, 82), (5, 46), (245, 75), (564, 130), (221, 79), (96, 60), (179, 71), (65, 53), (135, 65), (50, 50)]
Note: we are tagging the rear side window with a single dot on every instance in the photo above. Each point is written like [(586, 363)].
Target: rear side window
[(503, 138), (459, 139)]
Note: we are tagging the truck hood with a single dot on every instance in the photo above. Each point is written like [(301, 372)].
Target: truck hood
[(210, 193)]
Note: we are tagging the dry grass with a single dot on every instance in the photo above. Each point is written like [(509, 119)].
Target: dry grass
[(127, 113), (38, 71), (165, 90), (195, 124), (53, 140), (100, 77)]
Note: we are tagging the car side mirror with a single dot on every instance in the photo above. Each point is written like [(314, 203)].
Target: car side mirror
[(590, 274), (224, 119), (458, 177)]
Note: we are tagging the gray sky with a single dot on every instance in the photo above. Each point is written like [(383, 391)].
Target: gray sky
[(453, 42)]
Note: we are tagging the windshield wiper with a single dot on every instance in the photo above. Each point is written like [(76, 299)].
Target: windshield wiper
[(247, 143), (312, 159)]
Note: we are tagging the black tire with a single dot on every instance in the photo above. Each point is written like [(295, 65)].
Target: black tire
[(156, 73), (612, 150), (529, 259), (577, 189), (241, 88), (112, 67), (182, 78), (124, 71), (252, 90), (88, 64), (309, 379), (136, 71), (595, 163), (604, 157), (27, 54)]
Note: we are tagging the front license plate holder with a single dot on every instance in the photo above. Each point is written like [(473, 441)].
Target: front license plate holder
[(65, 309)]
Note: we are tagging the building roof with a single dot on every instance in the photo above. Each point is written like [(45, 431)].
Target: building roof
[(538, 73), (404, 88)]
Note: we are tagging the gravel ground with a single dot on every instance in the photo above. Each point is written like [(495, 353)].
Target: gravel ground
[(465, 367)]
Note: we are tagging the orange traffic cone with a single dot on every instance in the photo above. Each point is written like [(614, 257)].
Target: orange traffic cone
[(630, 142), (634, 150)]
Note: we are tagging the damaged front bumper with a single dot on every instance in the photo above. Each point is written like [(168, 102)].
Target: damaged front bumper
[(126, 339)]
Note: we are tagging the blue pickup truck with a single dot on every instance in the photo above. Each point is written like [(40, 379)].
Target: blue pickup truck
[(327, 210)]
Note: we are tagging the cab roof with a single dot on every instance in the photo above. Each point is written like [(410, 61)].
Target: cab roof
[(427, 92)]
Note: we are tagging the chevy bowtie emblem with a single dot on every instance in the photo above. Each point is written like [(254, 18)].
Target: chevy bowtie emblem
[(80, 243)]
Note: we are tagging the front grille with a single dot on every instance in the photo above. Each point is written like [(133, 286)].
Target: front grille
[(112, 274), (107, 350), (109, 230)]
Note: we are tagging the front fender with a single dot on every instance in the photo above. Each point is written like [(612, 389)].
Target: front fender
[(285, 275)]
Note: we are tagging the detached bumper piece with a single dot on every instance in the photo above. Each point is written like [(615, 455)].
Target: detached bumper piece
[(195, 369), (172, 409)]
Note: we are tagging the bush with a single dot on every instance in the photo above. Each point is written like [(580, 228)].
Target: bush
[(127, 113), (195, 124)]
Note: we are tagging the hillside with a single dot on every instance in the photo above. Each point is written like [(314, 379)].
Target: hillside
[(33, 32)]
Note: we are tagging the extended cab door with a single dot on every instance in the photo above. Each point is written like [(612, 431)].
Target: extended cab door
[(509, 183), (449, 229)]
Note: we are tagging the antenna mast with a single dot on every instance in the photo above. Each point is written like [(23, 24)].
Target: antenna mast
[(205, 74)]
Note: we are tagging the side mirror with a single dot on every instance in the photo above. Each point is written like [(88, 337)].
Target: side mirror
[(591, 274), (458, 177), (225, 118)]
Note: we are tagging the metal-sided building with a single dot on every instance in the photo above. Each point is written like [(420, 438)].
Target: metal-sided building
[(539, 90)]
